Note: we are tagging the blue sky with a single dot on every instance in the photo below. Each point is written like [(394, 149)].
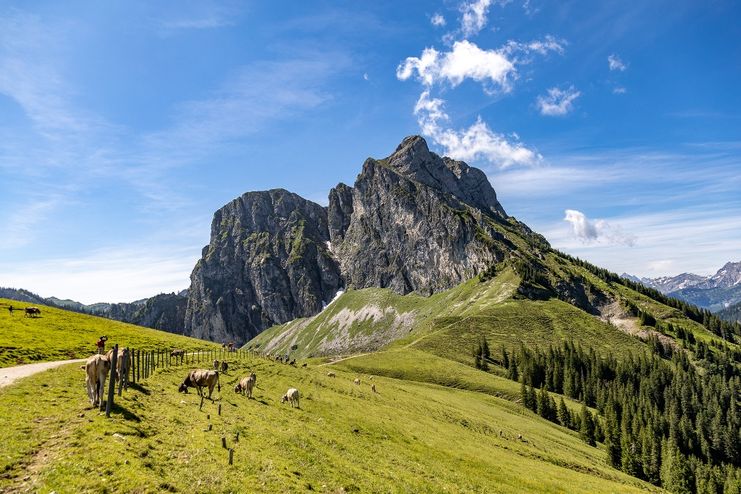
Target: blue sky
[(613, 129)]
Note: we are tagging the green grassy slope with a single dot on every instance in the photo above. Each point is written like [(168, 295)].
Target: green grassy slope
[(59, 335), (408, 437), (448, 324)]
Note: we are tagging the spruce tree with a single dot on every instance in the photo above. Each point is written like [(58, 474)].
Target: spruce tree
[(564, 416), (612, 435), (587, 426)]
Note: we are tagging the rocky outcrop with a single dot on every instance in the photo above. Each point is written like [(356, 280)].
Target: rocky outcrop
[(411, 222), (165, 311), (268, 262)]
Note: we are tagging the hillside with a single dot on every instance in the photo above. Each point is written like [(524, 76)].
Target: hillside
[(732, 313), (59, 334), (407, 437)]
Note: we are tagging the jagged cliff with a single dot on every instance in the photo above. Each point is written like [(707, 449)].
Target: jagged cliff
[(412, 222)]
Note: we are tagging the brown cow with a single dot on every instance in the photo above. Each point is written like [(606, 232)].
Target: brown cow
[(33, 311), (246, 385), (198, 379), (123, 365), (96, 372)]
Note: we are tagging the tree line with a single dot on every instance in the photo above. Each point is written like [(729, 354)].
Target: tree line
[(660, 419)]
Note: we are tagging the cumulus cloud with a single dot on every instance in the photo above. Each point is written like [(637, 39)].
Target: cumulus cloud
[(494, 69), (619, 90), (475, 142), (557, 102), (615, 63), (596, 231), (464, 61), (437, 20)]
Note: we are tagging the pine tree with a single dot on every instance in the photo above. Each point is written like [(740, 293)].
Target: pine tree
[(587, 426), (564, 416), (612, 435)]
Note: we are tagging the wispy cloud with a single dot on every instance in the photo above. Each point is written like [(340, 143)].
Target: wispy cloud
[(138, 273), (199, 15), (474, 16), (596, 231), (437, 20), (557, 102), (615, 63), (661, 250)]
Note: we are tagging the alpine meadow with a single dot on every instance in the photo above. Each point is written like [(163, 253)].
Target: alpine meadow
[(418, 213)]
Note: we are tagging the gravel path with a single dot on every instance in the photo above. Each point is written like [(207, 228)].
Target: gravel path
[(8, 375)]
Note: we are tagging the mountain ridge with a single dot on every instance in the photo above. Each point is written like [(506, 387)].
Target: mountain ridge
[(411, 222)]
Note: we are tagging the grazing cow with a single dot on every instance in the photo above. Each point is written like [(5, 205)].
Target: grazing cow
[(123, 364), (291, 396), (198, 379), (32, 312), (224, 366), (177, 353), (331, 374), (304, 364), (216, 365), (96, 372), (246, 385), (373, 388), (357, 381)]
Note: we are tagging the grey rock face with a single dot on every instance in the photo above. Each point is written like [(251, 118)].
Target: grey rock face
[(412, 222), (267, 263), (407, 236)]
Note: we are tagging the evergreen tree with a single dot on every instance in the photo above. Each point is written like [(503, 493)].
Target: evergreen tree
[(564, 416), (587, 426), (612, 435)]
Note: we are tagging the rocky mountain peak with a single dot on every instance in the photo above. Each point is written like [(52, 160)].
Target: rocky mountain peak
[(414, 160)]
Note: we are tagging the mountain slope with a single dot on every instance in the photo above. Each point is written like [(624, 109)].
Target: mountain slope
[(411, 222)]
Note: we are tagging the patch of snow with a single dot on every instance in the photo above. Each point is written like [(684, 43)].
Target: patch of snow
[(336, 296), (329, 245)]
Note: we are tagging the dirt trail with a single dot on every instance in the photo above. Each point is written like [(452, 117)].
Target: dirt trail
[(8, 375)]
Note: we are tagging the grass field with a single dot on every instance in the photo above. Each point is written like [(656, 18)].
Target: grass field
[(409, 437), (60, 335)]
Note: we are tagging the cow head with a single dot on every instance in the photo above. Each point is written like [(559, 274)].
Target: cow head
[(184, 387)]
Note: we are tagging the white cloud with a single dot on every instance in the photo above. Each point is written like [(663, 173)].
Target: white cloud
[(473, 18), (476, 142), (437, 20), (615, 63), (596, 231), (619, 90), (495, 69), (365, 76), (465, 60), (557, 102)]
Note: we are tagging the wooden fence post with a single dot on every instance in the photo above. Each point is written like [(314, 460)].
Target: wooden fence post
[(231, 455), (124, 377), (112, 383), (138, 366), (223, 442)]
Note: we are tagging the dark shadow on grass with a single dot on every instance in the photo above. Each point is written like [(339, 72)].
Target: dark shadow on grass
[(138, 387), (124, 412)]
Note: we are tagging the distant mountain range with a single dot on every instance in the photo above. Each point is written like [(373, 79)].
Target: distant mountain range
[(165, 311), (715, 293)]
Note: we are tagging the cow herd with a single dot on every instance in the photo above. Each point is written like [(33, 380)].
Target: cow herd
[(97, 368)]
